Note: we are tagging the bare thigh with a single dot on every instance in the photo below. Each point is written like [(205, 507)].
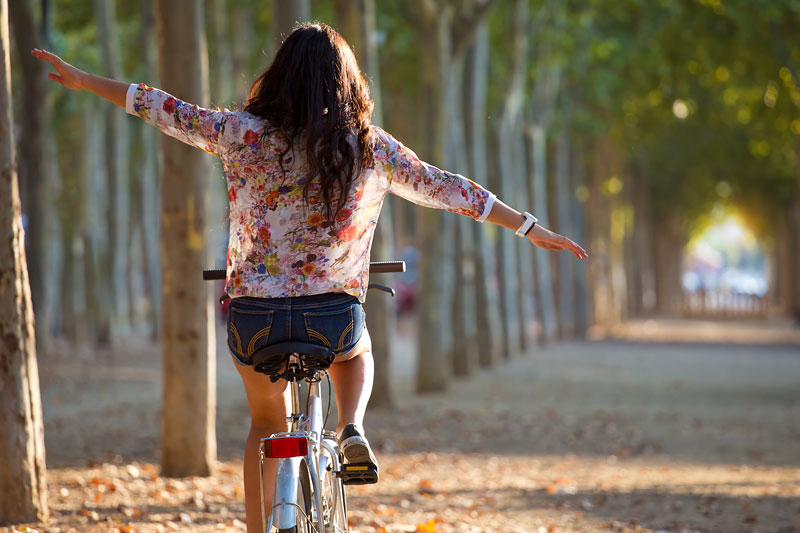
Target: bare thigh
[(269, 402), (364, 345)]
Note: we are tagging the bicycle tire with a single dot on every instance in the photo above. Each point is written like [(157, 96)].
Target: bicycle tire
[(303, 501), (333, 490)]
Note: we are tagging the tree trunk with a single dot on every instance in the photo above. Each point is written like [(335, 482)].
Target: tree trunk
[(667, 260), (528, 272), (630, 243), (222, 71), (356, 21), (510, 183), (285, 14), (464, 350), (32, 145), (98, 296), (642, 227), (241, 33), (794, 247), (434, 283), (23, 494), (507, 251), (50, 308), (538, 153), (116, 167), (487, 303), (579, 204), (566, 261), (221, 76), (149, 180), (541, 110), (598, 236), (188, 411)]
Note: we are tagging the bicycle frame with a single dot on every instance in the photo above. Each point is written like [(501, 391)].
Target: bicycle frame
[(322, 458), (322, 455)]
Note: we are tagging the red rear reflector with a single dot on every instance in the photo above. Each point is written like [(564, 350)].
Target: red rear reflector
[(286, 447)]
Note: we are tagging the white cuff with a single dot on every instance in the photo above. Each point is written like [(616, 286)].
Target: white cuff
[(129, 99), (487, 208)]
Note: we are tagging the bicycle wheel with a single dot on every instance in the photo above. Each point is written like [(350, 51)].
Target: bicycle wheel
[(303, 502), (334, 504)]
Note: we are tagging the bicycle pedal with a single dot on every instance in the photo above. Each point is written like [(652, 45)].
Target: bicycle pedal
[(359, 474)]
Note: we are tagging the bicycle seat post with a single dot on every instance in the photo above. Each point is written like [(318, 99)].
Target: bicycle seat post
[(294, 366)]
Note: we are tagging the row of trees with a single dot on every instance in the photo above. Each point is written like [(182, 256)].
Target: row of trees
[(618, 123)]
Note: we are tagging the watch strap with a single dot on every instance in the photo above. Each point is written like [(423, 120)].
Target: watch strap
[(526, 226)]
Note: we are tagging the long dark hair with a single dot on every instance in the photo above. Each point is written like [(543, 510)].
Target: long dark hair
[(314, 93)]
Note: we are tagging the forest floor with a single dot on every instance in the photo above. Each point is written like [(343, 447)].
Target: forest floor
[(660, 426)]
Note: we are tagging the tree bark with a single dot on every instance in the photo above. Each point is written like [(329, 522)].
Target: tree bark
[(188, 412), (149, 180), (223, 73), (541, 110), (544, 279), (579, 203), (487, 303), (511, 184), (464, 350), (794, 247), (241, 33), (434, 283), (115, 152), (32, 146), (566, 261), (23, 493), (668, 252), (98, 295), (598, 236)]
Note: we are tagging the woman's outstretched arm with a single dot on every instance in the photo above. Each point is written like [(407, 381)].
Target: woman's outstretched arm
[(505, 216), (78, 80), (426, 185), (189, 123)]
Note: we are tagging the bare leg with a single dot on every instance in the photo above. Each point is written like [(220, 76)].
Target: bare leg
[(269, 407), (352, 376)]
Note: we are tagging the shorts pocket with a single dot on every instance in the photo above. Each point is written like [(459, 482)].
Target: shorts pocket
[(248, 330), (333, 329)]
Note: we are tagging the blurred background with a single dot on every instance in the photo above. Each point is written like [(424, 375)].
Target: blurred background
[(662, 135)]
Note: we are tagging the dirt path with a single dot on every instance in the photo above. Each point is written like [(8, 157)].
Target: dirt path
[(581, 436)]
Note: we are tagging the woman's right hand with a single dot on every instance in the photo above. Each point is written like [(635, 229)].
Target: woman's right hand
[(67, 75), (550, 240)]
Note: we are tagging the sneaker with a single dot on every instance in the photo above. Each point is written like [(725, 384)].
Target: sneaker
[(355, 447), (360, 465)]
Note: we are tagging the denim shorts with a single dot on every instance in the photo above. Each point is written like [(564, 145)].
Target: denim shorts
[(333, 320)]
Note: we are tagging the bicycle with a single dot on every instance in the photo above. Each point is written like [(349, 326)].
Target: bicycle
[(309, 482)]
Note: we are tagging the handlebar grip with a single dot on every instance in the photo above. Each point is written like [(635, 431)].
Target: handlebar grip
[(209, 275), (382, 267)]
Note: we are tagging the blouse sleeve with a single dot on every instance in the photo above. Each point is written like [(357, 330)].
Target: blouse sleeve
[(428, 186), (192, 124)]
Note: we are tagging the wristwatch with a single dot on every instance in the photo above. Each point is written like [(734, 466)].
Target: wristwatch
[(526, 226)]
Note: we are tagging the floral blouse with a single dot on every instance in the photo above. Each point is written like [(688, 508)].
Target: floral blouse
[(280, 245)]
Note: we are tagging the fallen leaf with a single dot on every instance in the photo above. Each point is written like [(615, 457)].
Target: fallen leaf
[(428, 527)]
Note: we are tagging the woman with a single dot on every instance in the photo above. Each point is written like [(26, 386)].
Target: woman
[(307, 174)]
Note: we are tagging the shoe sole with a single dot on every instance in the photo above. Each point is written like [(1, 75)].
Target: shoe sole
[(356, 451)]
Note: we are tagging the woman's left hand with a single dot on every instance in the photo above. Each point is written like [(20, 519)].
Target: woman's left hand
[(550, 240), (67, 75)]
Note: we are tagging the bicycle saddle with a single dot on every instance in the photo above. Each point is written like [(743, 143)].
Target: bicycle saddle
[(273, 360)]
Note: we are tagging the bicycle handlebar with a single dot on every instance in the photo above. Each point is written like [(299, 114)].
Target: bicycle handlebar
[(378, 267)]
